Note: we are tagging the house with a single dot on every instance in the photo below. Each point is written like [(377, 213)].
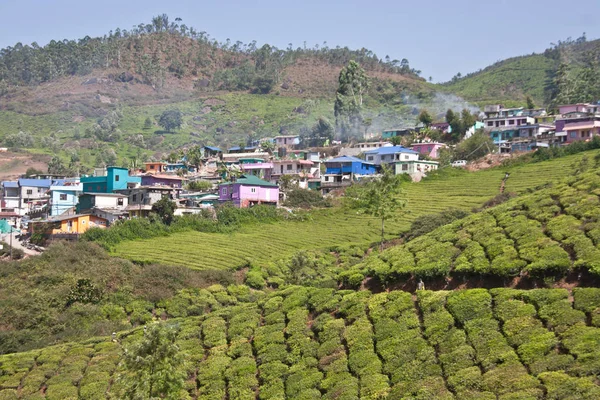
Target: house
[(577, 122), (257, 167), (113, 179), (431, 149), (287, 141), (443, 127), (211, 152), (64, 196), (179, 166), (173, 181), (104, 201), (342, 171), (474, 128), (389, 154), (141, 199), (155, 167), (390, 133), (10, 197), (240, 149), (33, 195), (417, 169), (67, 226), (584, 108), (249, 190), (233, 158)]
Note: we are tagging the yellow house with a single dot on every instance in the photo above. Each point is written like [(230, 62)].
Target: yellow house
[(69, 224)]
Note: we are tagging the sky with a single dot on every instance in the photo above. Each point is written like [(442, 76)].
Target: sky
[(438, 37)]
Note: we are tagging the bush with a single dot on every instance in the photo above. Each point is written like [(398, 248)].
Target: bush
[(306, 198), (254, 279), (429, 222)]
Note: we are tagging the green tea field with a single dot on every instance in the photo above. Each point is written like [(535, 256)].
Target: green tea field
[(309, 343)]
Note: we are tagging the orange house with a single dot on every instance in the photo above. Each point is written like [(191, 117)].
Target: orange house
[(68, 224), (155, 167)]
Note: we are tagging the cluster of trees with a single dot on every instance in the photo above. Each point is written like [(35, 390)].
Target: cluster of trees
[(353, 83), (577, 83), (460, 123), (321, 132), (243, 64)]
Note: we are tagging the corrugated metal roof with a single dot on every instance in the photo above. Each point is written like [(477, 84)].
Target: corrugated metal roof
[(35, 182), (212, 148), (390, 150), (10, 184), (348, 159)]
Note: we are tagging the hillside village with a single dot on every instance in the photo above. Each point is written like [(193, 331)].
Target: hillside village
[(259, 173)]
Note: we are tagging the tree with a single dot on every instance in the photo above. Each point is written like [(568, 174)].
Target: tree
[(380, 197), (170, 120), (475, 147), (32, 172), (321, 132), (194, 156), (148, 123), (56, 167), (152, 366), (450, 116), (165, 209), (530, 103), (352, 84), (425, 118)]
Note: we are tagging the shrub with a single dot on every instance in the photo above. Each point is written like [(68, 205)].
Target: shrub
[(429, 222), (306, 198)]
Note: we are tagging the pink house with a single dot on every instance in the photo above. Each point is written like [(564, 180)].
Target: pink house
[(579, 108), (249, 190), (429, 149), (584, 130)]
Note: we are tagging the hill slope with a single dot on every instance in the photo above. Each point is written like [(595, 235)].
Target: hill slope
[(510, 81)]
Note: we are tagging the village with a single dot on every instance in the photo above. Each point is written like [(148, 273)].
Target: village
[(246, 176)]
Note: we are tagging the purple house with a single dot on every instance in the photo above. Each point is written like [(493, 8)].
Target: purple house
[(162, 180), (249, 190)]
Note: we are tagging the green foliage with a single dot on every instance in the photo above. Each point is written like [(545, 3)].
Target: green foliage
[(353, 82), (165, 208), (170, 120), (306, 198), (151, 365), (429, 222), (477, 146), (199, 185)]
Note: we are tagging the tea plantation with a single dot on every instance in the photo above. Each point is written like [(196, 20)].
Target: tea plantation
[(268, 242), (310, 343), (550, 232)]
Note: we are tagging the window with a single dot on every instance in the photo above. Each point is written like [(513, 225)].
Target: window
[(120, 201), (253, 190), (490, 123), (404, 167), (134, 198), (406, 157), (29, 191), (289, 167), (152, 167), (117, 177), (573, 134), (511, 122), (224, 191), (370, 158), (63, 196)]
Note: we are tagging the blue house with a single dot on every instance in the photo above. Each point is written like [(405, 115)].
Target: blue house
[(116, 178), (64, 196), (390, 154), (347, 165)]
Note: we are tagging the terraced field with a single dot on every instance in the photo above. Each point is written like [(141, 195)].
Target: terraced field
[(308, 343), (274, 241)]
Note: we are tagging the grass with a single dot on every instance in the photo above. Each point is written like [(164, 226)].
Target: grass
[(267, 242)]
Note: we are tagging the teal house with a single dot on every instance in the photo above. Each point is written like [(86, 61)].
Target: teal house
[(116, 178)]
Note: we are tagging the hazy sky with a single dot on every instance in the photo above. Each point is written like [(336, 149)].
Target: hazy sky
[(439, 37)]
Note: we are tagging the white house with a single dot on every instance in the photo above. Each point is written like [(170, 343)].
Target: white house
[(390, 154)]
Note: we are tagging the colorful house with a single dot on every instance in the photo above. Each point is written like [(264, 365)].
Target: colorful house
[(33, 195), (249, 190), (115, 178), (389, 154), (349, 165), (67, 226), (155, 167), (64, 196), (10, 196), (417, 169), (173, 181), (211, 151), (142, 198), (429, 149)]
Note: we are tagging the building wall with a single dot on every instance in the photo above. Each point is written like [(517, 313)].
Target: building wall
[(58, 206), (154, 180)]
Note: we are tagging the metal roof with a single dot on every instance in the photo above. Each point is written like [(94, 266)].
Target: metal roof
[(390, 150), (10, 184), (348, 159), (45, 183)]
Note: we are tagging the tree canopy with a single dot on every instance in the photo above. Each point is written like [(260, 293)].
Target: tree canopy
[(170, 120), (353, 83)]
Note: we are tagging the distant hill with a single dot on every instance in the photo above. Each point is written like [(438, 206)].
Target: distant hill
[(510, 81)]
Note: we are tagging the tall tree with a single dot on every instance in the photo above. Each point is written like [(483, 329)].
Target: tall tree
[(170, 120), (530, 103), (380, 197), (425, 118), (352, 84), (165, 209), (152, 366)]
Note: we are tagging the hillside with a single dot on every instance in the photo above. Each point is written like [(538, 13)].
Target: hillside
[(308, 343), (510, 81), (323, 229)]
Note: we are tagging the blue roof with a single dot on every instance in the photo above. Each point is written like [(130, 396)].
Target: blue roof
[(35, 182), (236, 148), (212, 148), (391, 150), (347, 159), (10, 184)]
